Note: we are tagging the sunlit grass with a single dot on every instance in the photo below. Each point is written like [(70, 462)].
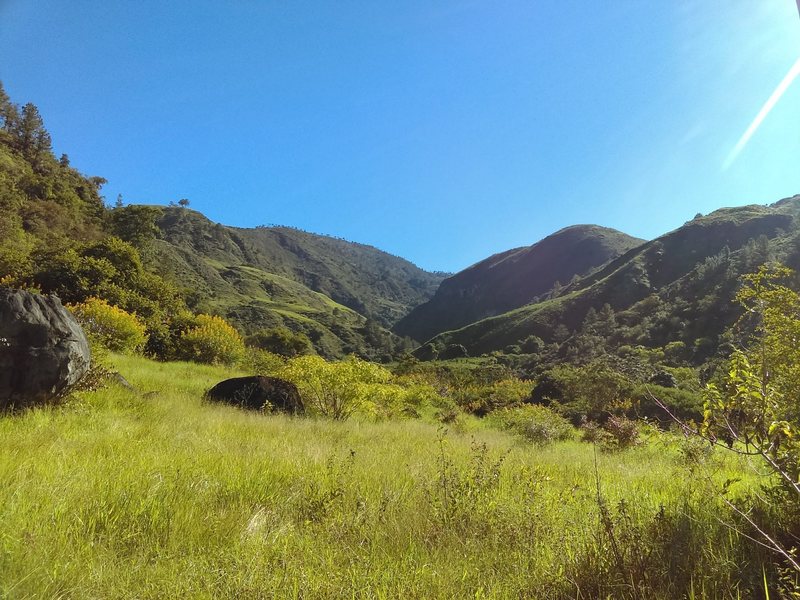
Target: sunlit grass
[(157, 494)]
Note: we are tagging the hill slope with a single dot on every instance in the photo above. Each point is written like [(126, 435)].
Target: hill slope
[(338, 293), (678, 287), (514, 278)]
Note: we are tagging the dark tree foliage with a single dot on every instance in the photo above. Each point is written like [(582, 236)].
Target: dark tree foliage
[(135, 224), (280, 340), (30, 136)]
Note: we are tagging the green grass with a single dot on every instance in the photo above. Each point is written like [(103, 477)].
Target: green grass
[(124, 495)]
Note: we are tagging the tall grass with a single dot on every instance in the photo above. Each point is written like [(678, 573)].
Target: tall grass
[(151, 495)]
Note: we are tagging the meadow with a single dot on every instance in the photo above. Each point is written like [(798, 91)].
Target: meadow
[(155, 493)]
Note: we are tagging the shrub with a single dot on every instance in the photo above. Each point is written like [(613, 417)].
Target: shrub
[(618, 433), (625, 433), (537, 424), (336, 389), (111, 326), (280, 340), (509, 392), (211, 340), (422, 394), (262, 362)]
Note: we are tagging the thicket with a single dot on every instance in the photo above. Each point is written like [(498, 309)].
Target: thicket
[(114, 328)]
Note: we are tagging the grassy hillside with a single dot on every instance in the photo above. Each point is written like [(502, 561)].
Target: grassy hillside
[(338, 293), (678, 287), (123, 495), (375, 284), (514, 278)]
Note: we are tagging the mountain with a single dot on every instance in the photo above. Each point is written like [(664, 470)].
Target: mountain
[(58, 236), (514, 278), (679, 288), (341, 294)]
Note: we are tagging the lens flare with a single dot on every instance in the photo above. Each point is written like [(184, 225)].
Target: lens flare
[(762, 114)]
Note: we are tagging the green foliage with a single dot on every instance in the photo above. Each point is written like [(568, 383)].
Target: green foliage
[(537, 424), (135, 224), (754, 409), (755, 404), (617, 433), (339, 389), (211, 340), (592, 392), (114, 328), (623, 433), (280, 340), (262, 362)]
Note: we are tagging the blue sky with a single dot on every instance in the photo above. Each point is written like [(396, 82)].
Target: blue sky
[(442, 132)]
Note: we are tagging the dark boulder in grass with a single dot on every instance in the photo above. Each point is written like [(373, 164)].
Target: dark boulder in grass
[(43, 350), (258, 392)]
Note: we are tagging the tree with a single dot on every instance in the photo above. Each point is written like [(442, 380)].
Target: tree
[(755, 405), (31, 138), (753, 409), (183, 202), (9, 113), (135, 224)]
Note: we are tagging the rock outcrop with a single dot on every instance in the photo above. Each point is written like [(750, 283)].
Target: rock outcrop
[(258, 393), (43, 350)]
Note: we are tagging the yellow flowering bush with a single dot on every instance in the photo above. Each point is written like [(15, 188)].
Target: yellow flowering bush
[(211, 340), (111, 326), (339, 389)]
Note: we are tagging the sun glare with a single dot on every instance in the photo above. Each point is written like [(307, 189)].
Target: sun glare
[(784, 85)]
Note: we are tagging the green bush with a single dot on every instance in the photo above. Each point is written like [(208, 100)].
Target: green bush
[(618, 433), (537, 424), (111, 326), (280, 340), (211, 340), (262, 362), (339, 389)]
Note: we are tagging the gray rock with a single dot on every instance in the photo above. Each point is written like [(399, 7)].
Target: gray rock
[(43, 350), (258, 393)]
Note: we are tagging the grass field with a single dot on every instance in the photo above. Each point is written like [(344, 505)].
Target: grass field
[(151, 495)]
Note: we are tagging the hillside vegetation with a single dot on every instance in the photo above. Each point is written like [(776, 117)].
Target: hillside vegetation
[(340, 294), (514, 278), (676, 289)]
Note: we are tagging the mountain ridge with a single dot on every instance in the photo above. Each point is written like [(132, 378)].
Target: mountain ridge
[(513, 278), (739, 238)]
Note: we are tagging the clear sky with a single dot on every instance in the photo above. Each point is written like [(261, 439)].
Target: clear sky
[(442, 132)]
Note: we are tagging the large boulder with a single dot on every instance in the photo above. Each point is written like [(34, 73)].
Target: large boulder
[(43, 350), (258, 392)]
